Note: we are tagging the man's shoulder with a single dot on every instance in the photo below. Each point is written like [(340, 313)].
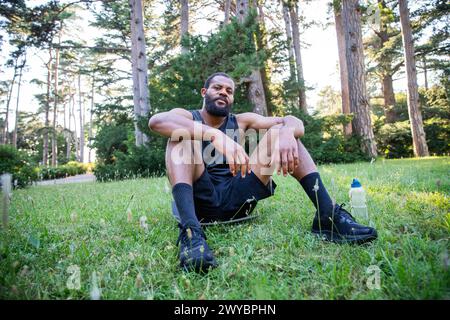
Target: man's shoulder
[(182, 112)]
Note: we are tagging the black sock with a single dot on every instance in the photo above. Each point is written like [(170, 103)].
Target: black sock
[(322, 201), (184, 199)]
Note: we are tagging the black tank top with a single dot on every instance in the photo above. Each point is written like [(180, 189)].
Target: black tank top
[(214, 161)]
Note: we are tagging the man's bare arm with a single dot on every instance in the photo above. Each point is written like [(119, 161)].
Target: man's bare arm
[(178, 123), (250, 120)]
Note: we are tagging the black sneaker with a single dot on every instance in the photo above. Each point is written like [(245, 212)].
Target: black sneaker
[(194, 251), (342, 228)]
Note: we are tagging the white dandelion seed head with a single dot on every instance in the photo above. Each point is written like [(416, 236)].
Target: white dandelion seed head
[(73, 216), (143, 222)]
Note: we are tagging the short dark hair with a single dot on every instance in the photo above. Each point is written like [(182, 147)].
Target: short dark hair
[(216, 74)]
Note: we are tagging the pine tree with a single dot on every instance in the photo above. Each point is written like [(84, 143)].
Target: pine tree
[(415, 116)]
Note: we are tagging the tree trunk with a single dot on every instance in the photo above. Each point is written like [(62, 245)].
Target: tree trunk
[(425, 71), (184, 30), (293, 12), (135, 77), (55, 104), (290, 45), (8, 101), (386, 73), (69, 133), (261, 39), (255, 86), (415, 116), (359, 104), (139, 68), (75, 135), (47, 109), (342, 67), (90, 118), (81, 108), (227, 12), (389, 99), (14, 142)]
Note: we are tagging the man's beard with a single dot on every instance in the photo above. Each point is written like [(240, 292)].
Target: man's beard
[(215, 110)]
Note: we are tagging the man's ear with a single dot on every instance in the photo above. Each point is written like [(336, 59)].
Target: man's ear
[(203, 92)]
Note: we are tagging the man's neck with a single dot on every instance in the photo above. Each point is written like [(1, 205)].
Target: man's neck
[(210, 120)]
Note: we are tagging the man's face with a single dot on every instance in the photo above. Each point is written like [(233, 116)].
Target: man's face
[(219, 96)]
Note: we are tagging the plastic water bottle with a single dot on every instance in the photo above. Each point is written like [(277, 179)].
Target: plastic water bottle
[(358, 200)]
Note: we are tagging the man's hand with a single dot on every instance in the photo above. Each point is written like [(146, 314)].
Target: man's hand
[(285, 153), (234, 153)]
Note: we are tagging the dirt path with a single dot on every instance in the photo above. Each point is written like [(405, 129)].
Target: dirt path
[(89, 177)]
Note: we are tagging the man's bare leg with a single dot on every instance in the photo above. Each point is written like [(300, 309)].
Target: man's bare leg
[(184, 166), (331, 222), (185, 171), (306, 172)]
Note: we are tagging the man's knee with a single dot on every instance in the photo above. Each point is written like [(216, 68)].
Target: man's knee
[(184, 152)]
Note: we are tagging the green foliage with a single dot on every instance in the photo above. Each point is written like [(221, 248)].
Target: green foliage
[(325, 140), (111, 138), (394, 140), (142, 161), (71, 168), (18, 163), (231, 50), (437, 132)]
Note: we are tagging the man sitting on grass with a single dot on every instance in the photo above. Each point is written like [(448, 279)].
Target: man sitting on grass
[(212, 176)]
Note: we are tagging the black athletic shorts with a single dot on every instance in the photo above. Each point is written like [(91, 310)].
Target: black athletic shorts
[(220, 197)]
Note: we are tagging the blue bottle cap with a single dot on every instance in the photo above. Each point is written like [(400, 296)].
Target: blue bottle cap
[(356, 183)]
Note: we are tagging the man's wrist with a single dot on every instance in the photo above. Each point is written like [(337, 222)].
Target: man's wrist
[(287, 130)]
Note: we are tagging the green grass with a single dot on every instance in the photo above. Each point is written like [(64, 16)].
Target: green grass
[(272, 257)]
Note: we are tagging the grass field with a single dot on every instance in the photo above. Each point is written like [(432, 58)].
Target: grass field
[(56, 231)]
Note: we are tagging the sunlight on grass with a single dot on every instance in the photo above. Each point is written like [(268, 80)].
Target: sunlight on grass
[(124, 234)]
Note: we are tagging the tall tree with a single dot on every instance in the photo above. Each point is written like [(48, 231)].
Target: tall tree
[(8, 101), (293, 13), (359, 103), (91, 111), (184, 25), (47, 108), (383, 50), (289, 43), (81, 114), (342, 64), (415, 116), (256, 93), (19, 82), (55, 98), (140, 69), (263, 44), (227, 11)]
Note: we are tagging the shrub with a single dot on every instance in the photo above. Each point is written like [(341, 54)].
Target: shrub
[(72, 168), (143, 161), (325, 140), (18, 164), (394, 140)]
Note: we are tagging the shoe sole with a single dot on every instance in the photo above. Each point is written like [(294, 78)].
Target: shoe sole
[(333, 237), (199, 268)]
